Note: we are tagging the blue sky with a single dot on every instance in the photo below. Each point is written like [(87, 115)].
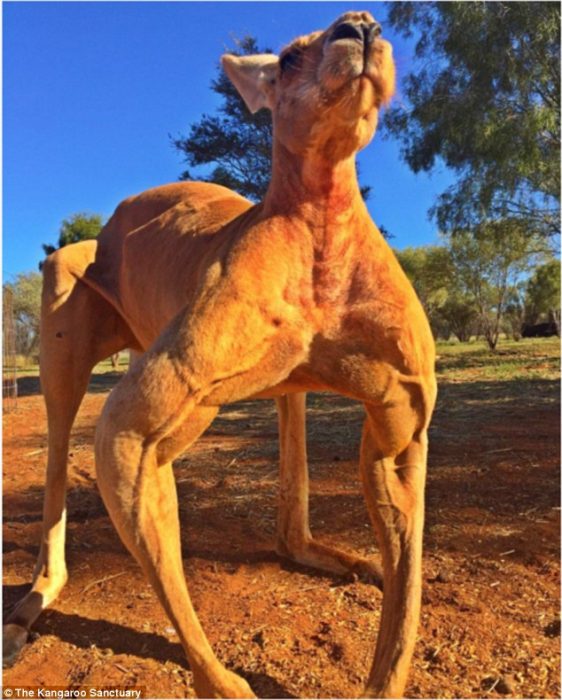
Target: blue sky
[(93, 90)]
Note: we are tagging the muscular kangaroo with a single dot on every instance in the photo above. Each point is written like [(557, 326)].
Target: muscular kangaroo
[(229, 301)]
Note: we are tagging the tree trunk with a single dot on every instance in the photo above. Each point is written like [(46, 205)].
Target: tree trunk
[(555, 318)]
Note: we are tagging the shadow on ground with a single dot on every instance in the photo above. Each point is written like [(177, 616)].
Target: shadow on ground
[(99, 383), (227, 484), (82, 632)]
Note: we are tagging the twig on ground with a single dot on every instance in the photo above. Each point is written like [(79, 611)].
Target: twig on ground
[(102, 580)]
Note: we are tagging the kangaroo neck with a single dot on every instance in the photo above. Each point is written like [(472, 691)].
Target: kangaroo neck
[(321, 193)]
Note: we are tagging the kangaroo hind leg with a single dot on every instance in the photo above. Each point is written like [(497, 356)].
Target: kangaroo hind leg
[(393, 470), (78, 329), (294, 538)]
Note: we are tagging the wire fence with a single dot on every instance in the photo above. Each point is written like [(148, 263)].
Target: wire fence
[(9, 360)]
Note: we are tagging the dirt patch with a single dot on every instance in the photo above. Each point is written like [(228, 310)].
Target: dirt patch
[(490, 622)]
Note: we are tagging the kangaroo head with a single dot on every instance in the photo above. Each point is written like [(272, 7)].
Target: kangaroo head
[(324, 90)]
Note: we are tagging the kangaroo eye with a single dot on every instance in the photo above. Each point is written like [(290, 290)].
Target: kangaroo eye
[(290, 60)]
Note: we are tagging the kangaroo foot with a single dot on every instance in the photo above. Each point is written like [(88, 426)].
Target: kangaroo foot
[(14, 638), (320, 556), (227, 685)]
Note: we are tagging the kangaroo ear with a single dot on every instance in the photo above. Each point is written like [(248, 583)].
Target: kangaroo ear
[(253, 77)]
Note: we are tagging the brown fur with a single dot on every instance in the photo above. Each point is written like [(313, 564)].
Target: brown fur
[(231, 301)]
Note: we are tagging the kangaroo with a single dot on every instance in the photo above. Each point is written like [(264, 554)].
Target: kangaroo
[(228, 301)]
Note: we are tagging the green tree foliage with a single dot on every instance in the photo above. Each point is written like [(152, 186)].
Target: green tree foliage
[(543, 294), (235, 143), (485, 100), (479, 282), (458, 315), (26, 300), (490, 264), (429, 271), (449, 307), (78, 227), (515, 311)]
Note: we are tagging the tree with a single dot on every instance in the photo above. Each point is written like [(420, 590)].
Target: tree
[(489, 264), (459, 314), (448, 305), (235, 142), (543, 294), (429, 270), (485, 100), (515, 311), (78, 227), (26, 300)]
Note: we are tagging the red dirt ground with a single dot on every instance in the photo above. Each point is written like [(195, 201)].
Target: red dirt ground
[(490, 622)]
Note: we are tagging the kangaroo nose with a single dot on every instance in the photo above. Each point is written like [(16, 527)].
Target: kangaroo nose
[(363, 32), (347, 30)]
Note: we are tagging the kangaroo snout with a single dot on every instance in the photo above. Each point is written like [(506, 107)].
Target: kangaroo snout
[(365, 32)]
